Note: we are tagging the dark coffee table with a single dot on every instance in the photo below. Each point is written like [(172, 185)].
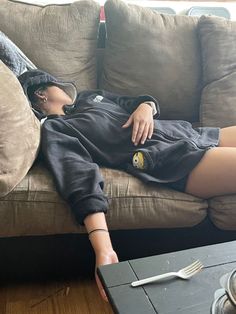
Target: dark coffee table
[(193, 296)]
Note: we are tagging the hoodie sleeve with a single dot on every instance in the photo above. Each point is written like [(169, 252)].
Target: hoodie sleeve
[(129, 103), (77, 177)]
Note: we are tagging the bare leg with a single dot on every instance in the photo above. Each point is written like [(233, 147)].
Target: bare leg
[(228, 137), (215, 174)]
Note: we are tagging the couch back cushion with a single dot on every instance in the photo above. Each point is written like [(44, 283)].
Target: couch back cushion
[(19, 132), (60, 39), (151, 53), (218, 42)]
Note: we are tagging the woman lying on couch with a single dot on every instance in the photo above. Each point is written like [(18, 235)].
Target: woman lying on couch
[(80, 132)]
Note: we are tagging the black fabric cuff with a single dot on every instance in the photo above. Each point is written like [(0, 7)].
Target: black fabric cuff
[(144, 98), (87, 206)]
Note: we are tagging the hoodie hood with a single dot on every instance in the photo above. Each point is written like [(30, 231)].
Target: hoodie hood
[(33, 78)]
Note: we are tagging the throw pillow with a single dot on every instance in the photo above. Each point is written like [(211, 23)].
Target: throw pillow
[(19, 132), (13, 57), (218, 44), (60, 39), (152, 53)]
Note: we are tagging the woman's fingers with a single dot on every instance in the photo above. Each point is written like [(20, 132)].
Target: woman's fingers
[(128, 122), (136, 128), (104, 258), (142, 131), (100, 288), (150, 131), (142, 121), (145, 134)]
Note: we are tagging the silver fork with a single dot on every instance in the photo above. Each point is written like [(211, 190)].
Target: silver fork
[(183, 273)]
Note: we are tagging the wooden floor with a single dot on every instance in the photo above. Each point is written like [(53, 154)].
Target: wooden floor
[(72, 297)]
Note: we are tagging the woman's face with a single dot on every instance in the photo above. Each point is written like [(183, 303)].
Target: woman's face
[(57, 95), (52, 100)]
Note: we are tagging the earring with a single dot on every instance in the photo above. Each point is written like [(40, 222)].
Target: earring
[(45, 99)]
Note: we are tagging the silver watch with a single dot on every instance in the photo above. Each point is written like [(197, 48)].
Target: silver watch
[(152, 104)]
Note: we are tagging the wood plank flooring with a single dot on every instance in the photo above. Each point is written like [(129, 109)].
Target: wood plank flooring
[(72, 297)]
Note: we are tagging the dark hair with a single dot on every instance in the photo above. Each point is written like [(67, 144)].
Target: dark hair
[(37, 88)]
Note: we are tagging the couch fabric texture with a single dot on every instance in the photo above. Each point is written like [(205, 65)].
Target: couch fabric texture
[(140, 58), (58, 39), (146, 52), (132, 206), (19, 133), (13, 57), (218, 46)]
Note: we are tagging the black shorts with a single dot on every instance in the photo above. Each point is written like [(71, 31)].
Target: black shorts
[(179, 185)]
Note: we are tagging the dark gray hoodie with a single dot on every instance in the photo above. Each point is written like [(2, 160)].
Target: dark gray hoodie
[(91, 135)]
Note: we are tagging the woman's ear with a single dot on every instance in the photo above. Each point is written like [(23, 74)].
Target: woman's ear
[(41, 96)]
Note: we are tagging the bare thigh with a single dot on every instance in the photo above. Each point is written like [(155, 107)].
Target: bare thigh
[(228, 137), (215, 174)]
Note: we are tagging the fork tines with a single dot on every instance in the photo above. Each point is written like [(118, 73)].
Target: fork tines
[(197, 265)]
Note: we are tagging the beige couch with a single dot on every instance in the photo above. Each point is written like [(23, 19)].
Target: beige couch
[(178, 59)]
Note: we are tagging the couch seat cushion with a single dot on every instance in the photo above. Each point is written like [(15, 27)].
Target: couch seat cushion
[(59, 39), (222, 211), (151, 53), (35, 208)]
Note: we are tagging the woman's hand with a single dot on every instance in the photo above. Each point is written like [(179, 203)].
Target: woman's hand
[(101, 243), (142, 120), (104, 258)]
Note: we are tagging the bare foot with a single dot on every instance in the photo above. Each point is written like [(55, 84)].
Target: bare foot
[(104, 258)]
